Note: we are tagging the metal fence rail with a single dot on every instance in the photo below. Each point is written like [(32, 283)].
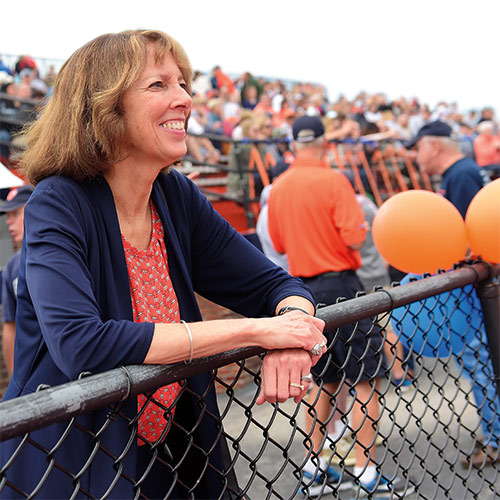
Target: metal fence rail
[(424, 430)]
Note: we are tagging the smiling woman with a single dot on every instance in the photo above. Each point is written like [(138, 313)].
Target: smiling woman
[(116, 245)]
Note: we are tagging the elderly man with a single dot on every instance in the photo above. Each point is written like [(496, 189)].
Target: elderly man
[(315, 219), (487, 148), (438, 153)]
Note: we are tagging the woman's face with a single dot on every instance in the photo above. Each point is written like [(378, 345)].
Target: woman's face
[(155, 109)]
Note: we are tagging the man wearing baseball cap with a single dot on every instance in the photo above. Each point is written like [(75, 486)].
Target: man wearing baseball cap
[(14, 208), (316, 220), (438, 153)]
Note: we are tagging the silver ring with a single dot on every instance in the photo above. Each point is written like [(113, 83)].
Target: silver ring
[(299, 386), (307, 378), (316, 350)]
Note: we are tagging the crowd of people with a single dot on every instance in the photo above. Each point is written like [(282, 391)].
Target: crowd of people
[(133, 207), (246, 107), (258, 109)]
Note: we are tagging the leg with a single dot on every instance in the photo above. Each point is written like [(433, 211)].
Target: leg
[(477, 367), (335, 423), (321, 414), (365, 414), (393, 350)]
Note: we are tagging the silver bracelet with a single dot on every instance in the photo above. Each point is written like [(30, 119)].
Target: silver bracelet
[(190, 342)]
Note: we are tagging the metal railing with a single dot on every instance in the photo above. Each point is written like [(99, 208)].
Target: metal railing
[(429, 430)]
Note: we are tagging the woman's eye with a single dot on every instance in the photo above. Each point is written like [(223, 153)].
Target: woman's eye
[(158, 84)]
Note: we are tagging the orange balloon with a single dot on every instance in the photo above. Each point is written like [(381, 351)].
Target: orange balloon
[(482, 222), (419, 232)]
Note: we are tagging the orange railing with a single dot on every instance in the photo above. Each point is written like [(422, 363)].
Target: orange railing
[(387, 171)]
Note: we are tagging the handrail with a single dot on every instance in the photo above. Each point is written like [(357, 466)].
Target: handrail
[(34, 411)]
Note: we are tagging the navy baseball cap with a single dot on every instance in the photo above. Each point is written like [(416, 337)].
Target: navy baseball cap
[(307, 129), (16, 198), (434, 129)]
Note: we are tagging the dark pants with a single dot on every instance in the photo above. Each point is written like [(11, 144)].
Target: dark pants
[(355, 353)]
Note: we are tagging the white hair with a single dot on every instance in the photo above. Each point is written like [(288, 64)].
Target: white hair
[(484, 126), (316, 143), (447, 143)]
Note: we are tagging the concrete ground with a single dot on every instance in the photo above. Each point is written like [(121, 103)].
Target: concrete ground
[(427, 431)]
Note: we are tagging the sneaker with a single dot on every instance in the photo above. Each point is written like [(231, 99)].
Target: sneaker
[(344, 452), (403, 383), (319, 484), (482, 455), (381, 487)]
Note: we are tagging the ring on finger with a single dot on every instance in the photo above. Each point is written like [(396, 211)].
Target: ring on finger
[(298, 386), (307, 378), (316, 350)]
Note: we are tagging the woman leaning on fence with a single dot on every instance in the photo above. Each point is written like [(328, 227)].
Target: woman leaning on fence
[(116, 243)]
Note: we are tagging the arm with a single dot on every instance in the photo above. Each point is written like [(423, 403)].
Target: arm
[(348, 215), (171, 342), (64, 284), (288, 337), (8, 337)]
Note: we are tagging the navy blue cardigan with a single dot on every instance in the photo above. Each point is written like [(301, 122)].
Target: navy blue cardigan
[(74, 315)]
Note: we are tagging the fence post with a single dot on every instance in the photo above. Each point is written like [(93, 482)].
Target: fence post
[(488, 292)]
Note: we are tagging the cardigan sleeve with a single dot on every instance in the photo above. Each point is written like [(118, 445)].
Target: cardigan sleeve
[(226, 268), (61, 285)]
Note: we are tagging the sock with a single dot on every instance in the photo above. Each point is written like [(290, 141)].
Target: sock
[(369, 474), (310, 466), (339, 431)]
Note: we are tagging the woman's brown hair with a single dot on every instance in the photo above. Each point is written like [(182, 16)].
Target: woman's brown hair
[(80, 131)]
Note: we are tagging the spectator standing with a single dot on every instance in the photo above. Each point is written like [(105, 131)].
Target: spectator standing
[(108, 276), (487, 148), (315, 219), (438, 153), (239, 159), (14, 208), (262, 230)]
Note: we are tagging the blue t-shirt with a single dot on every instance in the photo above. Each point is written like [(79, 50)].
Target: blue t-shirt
[(461, 182), (9, 287)]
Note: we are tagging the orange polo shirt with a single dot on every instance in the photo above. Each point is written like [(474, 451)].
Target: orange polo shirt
[(314, 217)]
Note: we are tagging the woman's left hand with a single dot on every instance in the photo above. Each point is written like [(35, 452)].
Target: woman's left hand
[(282, 373)]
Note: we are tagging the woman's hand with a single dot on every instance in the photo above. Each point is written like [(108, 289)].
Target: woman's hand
[(282, 371), (293, 330)]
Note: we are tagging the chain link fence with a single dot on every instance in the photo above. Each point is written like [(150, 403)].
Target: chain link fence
[(436, 430)]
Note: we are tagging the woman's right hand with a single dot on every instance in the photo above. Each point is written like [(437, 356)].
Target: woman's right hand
[(293, 330)]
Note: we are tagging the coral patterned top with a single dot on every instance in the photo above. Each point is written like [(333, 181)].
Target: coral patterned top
[(153, 300)]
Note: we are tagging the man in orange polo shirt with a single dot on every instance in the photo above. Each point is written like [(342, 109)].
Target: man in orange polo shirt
[(315, 219)]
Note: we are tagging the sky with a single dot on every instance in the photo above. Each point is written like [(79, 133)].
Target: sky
[(430, 49)]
